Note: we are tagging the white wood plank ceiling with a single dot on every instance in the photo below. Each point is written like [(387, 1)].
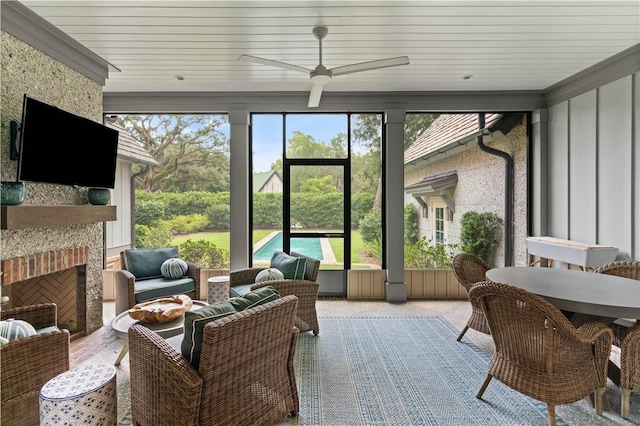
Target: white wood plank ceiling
[(504, 45)]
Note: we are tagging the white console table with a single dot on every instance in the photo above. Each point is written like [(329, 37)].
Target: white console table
[(585, 255)]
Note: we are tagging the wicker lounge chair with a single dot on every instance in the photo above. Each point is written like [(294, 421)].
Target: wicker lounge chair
[(140, 278), (245, 376), (538, 352), (306, 290), (626, 335), (470, 269), (30, 362)]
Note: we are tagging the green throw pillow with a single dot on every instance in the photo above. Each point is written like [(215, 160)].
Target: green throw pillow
[(194, 321), (292, 267)]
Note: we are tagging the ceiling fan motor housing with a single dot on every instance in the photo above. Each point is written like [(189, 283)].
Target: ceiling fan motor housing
[(320, 75)]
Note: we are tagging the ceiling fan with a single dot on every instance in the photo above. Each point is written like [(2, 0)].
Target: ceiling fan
[(320, 75)]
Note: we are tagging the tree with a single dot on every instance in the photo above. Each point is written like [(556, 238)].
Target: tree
[(367, 133), (301, 145), (367, 128), (192, 150)]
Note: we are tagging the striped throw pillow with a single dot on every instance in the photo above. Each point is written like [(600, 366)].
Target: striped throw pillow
[(14, 329)]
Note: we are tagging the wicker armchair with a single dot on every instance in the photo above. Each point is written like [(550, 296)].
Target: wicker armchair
[(626, 335), (132, 289), (538, 352), (29, 362), (245, 377), (305, 290), (470, 269)]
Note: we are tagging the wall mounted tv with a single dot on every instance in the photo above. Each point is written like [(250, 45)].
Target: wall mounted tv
[(63, 148)]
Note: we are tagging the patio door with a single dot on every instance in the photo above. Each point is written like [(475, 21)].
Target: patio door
[(316, 196)]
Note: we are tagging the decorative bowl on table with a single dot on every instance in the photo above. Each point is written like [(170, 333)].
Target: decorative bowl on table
[(161, 310)]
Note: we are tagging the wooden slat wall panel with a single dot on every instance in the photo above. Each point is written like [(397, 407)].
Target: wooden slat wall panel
[(582, 158), (433, 284), (365, 284), (558, 171), (615, 166)]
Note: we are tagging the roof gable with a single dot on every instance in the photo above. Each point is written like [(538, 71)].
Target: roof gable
[(130, 148), (260, 179)]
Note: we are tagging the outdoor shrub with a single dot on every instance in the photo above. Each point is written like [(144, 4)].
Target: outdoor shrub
[(371, 226), (423, 254), (480, 233), (204, 253), (305, 211), (361, 203), (154, 236), (218, 216), (149, 211), (410, 224), (267, 209), (187, 224), (374, 248)]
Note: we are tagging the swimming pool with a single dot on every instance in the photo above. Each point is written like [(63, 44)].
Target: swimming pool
[(308, 246)]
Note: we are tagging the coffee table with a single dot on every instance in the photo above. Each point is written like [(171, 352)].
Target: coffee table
[(121, 324)]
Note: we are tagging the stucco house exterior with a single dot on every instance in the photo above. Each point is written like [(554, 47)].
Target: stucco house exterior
[(447, 174)]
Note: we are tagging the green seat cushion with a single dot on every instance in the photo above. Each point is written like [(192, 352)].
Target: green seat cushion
[(292, 267), (146, 263), (239, 290), (155, 288), (47, 329), (194, 321)]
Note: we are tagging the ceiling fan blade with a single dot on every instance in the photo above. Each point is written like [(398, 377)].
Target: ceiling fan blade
[(371, 65), (314, 96), (262, 61)]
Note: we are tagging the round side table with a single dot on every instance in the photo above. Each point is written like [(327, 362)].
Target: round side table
[(217, 289), (85, 395)]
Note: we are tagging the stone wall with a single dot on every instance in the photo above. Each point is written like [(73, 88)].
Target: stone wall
[(480, 187), (26, 70)]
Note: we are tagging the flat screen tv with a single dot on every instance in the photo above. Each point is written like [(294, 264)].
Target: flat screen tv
[(63, 148)]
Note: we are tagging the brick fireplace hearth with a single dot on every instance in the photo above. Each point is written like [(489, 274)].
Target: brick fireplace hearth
[(57, 276)]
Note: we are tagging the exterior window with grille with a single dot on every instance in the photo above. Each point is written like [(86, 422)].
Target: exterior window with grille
[(439, 236), (439, 224)]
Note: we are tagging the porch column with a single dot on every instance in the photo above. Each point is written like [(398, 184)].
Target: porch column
[(239, 187), (539, 172), (395, 287)]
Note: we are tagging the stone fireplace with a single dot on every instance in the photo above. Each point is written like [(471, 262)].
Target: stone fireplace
[(55, 253), (57, 276)]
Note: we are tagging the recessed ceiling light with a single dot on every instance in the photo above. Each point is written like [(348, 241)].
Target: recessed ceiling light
[(179, 77), (467, 77)]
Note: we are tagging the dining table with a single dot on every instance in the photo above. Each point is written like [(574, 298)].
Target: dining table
[(573, 290)]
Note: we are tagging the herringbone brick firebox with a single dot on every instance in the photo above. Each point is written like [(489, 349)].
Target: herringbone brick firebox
[(57, 276)]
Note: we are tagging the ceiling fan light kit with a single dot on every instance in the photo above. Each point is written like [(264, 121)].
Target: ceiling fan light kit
[(320, 75)]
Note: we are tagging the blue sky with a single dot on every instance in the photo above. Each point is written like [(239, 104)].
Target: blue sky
[(267, 133)]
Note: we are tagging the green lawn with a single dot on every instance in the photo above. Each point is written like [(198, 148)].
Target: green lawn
[(221, 240)]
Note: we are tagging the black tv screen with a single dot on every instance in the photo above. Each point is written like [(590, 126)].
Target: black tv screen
[(63, 148)]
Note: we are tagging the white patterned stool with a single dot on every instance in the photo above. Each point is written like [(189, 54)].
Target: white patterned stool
[(85, 395), (217, 289)]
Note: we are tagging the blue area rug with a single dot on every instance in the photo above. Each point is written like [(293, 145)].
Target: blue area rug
[(401, 371)]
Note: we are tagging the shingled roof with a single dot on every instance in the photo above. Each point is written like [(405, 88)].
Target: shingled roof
[(130, 148), (446, 130)]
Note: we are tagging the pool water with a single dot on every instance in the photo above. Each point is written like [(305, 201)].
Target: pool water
[(308, 246)]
